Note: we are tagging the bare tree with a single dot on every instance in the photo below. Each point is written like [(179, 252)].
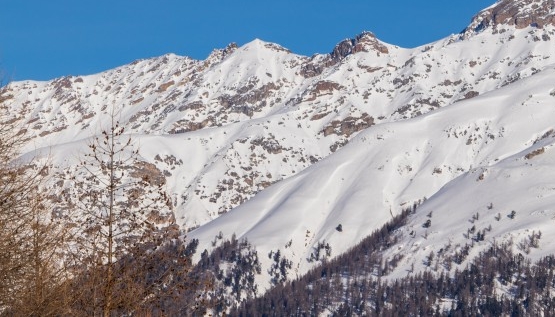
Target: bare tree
[(126, 227), (32, 277), (43, 287)]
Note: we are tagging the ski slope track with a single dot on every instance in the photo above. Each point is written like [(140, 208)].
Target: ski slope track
[(291, 151)]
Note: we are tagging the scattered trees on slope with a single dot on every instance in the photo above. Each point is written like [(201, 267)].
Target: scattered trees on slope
[(232, 268), (350, 285)]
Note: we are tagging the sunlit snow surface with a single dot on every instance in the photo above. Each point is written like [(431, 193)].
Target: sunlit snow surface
[(462, 124)]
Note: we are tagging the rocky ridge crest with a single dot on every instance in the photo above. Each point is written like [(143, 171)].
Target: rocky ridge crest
[(517, 13)]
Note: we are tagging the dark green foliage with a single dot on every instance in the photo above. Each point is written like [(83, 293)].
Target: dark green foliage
[(321, 252), (279, 269), (323, 287), (232, 267), (350, 285)]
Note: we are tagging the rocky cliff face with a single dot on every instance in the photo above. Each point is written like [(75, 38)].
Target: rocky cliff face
[(364, 42), (517, 13)]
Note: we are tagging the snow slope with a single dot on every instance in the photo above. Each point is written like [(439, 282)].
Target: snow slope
[(281, 149), (463, 158)]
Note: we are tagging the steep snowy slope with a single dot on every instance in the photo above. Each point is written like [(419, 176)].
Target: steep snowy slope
[(251, 99), (488, 155), (300, 119), (462, 156), (332, 146)]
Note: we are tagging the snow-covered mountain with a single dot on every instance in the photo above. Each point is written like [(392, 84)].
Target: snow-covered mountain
[(295, 152)]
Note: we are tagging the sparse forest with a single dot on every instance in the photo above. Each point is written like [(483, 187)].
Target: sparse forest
[(351, 285)]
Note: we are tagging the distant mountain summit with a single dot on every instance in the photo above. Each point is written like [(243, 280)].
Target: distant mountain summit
[(517, 13), (364, 42)]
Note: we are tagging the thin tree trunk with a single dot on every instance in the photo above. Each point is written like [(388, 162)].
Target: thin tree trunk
[(110, 273), (37, 262)]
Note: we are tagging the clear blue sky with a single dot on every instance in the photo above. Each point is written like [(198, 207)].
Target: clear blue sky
[(44, 39)]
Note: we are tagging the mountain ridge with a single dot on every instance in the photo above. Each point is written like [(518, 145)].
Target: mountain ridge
[(520, 14), (276, 147)]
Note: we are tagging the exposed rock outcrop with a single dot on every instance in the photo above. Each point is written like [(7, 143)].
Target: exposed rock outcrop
[(517, 13), (364, 42)]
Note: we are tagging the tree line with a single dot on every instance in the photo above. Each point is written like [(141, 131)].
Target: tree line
[(498, 282)]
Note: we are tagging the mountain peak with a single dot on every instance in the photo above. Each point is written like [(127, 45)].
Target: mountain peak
[(258, 44), (220, 54), (364, 42), (516, 13)]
